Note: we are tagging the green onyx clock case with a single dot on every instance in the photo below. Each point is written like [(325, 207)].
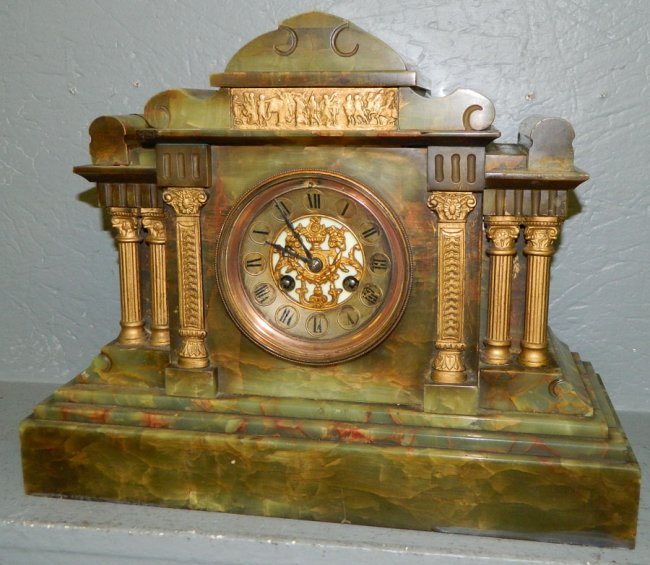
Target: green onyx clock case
[(334, 295)]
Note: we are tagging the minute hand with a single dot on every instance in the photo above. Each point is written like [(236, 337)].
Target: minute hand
[(293, 230)]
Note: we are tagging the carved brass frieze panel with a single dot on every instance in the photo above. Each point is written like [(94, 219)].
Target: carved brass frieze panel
[(314, 108)]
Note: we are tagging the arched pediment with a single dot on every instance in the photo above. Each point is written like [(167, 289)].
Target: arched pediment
[(316, 44)]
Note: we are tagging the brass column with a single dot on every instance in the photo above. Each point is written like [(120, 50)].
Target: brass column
[(452, 209), (540, 233), (503, 232), (126, 223), (187, 203), (153, 220)]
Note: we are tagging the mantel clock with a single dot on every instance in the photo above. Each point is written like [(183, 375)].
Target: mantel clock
[(334, 299)]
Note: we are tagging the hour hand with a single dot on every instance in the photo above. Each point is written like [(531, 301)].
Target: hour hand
[(287, 221)]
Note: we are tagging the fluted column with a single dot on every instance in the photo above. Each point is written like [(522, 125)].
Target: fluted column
[(127, 226), (540, 234), (153, 220), (503, 232), (452, 209), (187, 203)]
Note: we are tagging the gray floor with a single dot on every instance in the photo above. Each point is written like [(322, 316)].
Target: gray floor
[(63, 531)]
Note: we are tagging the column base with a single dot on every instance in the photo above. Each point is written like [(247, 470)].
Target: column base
[(159, 337), (534, 355), (132, 334), (497, 353)]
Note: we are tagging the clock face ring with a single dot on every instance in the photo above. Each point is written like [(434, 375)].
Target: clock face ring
[(313, 267)]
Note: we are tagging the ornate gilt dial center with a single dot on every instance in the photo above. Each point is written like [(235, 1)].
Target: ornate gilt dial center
[(335, 254)]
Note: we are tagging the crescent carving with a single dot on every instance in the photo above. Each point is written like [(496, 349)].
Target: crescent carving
[(293, 42), (334, 37)]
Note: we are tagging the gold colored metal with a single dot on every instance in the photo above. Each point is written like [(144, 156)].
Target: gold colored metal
[(187, 203), (314, 108), (153, 220), (540, 233), (452, 209), (503, 231), (127, 225), (310, 283)]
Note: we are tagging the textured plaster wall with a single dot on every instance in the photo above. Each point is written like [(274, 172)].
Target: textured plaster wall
[(64, 62)]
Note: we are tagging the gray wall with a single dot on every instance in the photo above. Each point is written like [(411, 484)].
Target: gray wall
[(63, 63)]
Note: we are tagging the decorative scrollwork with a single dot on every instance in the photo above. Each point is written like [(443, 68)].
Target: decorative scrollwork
[(452, 209), (451, 284), (185, 201), (449, 361), (318, 288), (540, 238), (192, 345), (503, 237), (452, 206), (126, 227), (191, 313), (154, 223)]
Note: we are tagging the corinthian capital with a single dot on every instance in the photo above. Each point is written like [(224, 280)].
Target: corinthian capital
[(541, 234), (185, 201), (452, 206)]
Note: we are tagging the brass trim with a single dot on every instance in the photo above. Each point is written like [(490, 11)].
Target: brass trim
[(127, 225), (452, 209), (187, 203), (503, 232), (153, 220), (540, 233), (314, 108)]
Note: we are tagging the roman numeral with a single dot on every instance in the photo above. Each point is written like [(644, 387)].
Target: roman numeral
[(254, 262), (348, 317), (314, 199), (345, 208), (379, 263), (263, 293), (370, 295), (370, 232), (286, 317), (261, 232)]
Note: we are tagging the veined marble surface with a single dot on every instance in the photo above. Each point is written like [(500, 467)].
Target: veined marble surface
[(35, 529)]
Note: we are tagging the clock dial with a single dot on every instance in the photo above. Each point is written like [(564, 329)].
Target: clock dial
[(313, 267)]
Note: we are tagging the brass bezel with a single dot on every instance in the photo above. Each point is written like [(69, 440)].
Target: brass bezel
[(247, 317)]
